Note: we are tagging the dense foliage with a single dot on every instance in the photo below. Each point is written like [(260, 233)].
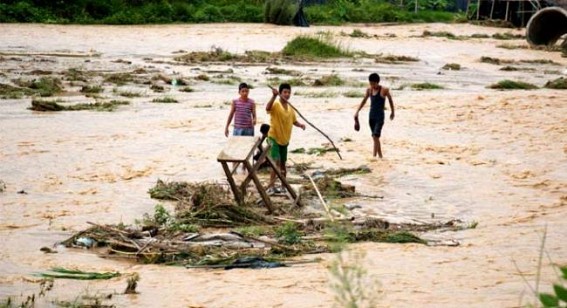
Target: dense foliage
[(202, 11)]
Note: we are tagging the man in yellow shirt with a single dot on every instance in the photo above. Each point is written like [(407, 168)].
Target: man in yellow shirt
[(282, 120)]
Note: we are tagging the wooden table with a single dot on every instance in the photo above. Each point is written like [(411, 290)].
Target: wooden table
[(239, 150)]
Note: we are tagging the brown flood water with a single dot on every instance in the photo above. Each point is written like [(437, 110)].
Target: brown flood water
[(463, 152)]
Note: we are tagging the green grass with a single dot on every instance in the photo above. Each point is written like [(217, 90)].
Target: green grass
[(452, 67), (358, 33), (394, 59), (508, 36), (322, 94), (512, 85), (353, 94), (187, 89), (294, 82), (329, 81), (91, 89), (445, 34), (313, 47), (165, 100), (129, 94), (426, 86), (280, 71), (559, 83), (43, 105)]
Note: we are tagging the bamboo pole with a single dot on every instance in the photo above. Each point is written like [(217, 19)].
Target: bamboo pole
[(321, 198)]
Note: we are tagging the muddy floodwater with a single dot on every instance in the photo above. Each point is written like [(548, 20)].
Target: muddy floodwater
[(497, 158)]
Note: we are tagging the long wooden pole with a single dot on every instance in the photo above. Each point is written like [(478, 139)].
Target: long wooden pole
[(312, 125), (321, 198)]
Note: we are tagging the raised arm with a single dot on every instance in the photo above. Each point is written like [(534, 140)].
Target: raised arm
[(271, 102), (230, 116)]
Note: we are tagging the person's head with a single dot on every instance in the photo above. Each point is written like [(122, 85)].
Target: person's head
[(285, 90), (243, 90), (374, 80), (264, 129)]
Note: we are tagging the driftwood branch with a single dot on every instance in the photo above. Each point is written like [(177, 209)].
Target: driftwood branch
[(312, 125)]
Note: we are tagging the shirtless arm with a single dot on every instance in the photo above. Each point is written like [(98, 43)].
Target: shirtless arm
[(391, 102), (366, 95)]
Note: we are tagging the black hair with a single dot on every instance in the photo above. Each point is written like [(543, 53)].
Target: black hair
[(284, 86), (374, 77), (242, 86), (264, 129)]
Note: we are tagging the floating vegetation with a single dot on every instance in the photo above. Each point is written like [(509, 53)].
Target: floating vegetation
[(509, 68), (74, 74), (452, 67), (12, 92), (313, 47), (203, 77), (329, 81), (187, 89), (165, 100), (559, 83), (62, 273), (129, 94), (540, 61), (280, 71), (230, 80), (426, 86), (358, 33), (446, 34), (511, 85), (217, 54), (46, 86), (119, 78), (508, 36), (190, 236), (91, 89), (393, 59), (353, 94), (43, 105), (495, 61), (480, 35), (323, 94), (294, 82)]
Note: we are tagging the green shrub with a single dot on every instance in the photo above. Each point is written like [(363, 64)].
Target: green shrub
[(288, 233), (511, 84), (313, 47), (280, 12), (559, 83)]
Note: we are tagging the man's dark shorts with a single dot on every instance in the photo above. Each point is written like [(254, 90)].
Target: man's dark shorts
[(376, 126)]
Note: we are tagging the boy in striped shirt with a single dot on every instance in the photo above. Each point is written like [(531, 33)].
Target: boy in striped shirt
[(243, 110)]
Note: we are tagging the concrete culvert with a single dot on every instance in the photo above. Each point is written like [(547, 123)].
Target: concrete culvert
[(547, 26)]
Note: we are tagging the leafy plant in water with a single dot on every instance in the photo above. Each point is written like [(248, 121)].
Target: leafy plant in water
[(161, 215), (511, 84), (288, 233), (313, 47)]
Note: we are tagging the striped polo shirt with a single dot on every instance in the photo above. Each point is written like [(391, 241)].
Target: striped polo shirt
[(243, 113)]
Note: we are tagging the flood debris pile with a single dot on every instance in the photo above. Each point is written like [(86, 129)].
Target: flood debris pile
[(208, 229)]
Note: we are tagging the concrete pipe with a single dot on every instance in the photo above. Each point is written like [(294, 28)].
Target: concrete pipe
[(547, 26)]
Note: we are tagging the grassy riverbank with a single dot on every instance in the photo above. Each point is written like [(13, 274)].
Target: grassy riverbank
[(200, 11)]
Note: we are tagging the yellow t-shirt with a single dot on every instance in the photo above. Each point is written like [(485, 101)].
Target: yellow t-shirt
[(281, 123)]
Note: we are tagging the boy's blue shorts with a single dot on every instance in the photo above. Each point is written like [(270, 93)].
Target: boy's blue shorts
[(243, 131)]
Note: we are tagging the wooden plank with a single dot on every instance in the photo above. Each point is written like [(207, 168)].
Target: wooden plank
[(261, 190), (232, 183), (256, 166), (238, 149), (284, 181)]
